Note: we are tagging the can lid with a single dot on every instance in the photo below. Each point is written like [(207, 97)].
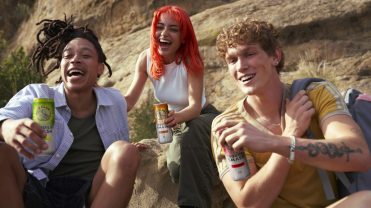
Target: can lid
[(43, 100), (160, 105)]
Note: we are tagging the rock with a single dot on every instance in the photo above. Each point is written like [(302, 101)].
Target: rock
[(153, 186)]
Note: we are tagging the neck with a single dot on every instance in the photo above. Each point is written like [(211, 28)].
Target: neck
[(266, 106), (81, 104)]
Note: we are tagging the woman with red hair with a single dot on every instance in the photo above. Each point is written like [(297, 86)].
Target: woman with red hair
[(175, 68)]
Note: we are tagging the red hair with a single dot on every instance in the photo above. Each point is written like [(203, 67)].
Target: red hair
[(188, 51)]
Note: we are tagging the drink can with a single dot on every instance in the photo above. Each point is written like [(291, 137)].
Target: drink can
[(43, 114), (237, 162), (164, 133)]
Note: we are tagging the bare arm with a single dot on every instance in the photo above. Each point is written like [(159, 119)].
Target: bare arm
[(139, 80), (344, 147), (195, 88)]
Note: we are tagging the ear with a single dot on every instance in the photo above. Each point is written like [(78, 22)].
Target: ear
[(100, 69), (277, 56)]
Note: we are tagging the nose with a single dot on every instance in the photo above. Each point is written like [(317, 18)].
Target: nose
[(75, 59), (241, 64), (164, 31)]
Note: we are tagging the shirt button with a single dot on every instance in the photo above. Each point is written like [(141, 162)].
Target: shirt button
[(58, 155)]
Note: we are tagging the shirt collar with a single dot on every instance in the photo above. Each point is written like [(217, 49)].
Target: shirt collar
[(102, 98)]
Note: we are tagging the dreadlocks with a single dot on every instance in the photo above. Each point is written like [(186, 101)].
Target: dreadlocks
[(54, 36)]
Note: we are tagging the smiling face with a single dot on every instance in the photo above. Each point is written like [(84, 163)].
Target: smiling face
[(168, 37), (251, 67), (80, 66)]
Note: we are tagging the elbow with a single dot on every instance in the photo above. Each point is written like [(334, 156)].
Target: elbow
[(248, 203), (129, 107), (129, 103), (366, 165), (243, 200), (197, 109)]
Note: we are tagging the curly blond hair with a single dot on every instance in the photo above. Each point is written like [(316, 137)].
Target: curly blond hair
[(250, 31)]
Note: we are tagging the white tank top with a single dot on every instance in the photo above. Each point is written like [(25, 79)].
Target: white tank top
[(172, 87)]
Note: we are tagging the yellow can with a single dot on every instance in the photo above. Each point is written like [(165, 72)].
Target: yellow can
[(43, 113)]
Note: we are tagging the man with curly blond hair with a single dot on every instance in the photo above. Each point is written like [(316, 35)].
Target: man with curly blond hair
[(270, 129)]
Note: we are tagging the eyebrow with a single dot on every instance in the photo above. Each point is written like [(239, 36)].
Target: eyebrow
[(81, 49), (162, 24)]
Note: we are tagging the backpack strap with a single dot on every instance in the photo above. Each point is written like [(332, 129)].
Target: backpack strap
[(302, 84), (350, 96), (326, 185), (344, 179)]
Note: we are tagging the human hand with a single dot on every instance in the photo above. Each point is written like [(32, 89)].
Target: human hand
[(240, 135), (299, 112), (24, 135), (171, 119)]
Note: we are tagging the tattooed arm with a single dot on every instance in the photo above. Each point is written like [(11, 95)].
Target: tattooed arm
[(344, 147)]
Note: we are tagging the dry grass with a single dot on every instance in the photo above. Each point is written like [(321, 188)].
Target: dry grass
[(314, 64)]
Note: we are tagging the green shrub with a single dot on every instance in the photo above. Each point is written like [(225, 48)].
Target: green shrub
[(3, 43), (143, 124), (15, 74)]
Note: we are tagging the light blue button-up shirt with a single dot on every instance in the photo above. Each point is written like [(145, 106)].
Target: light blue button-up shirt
[(110, 117)]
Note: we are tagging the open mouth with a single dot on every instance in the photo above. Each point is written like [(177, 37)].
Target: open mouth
[(75, 72), (247, 77), (164, 42)]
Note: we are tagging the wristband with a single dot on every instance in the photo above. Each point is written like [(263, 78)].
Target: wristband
[(292, 150)]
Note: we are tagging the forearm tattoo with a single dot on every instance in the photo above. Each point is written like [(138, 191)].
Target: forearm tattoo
[(329, 149)]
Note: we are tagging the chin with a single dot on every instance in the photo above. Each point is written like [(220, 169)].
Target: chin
[(246, 90)]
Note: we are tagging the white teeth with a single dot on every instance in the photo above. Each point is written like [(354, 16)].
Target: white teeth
[(75, 72), (165, 41), (247, 77)]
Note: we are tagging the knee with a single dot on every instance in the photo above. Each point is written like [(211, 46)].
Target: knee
[(364, 196), (124, 154), (8, 152)]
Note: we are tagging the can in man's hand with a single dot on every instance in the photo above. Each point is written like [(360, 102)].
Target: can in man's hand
[(237, 162), (43, 113)]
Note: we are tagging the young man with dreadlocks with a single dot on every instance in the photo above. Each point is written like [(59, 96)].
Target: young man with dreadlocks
[(93, 164)]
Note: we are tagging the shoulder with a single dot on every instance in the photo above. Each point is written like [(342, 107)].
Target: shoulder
[(109, 94), (36, 90), (231, 113), (109, 91), (143, 56), (326, 99), (323, 91), (142, 61)]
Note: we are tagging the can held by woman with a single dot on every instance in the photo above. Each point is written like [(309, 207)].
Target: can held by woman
[(164, 133), (237, 162), (43, 113)]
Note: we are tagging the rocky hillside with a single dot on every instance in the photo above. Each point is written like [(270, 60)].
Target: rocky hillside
[(331, 39)]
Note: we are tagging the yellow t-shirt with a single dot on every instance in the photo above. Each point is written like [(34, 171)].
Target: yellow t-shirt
[(303, 187)]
